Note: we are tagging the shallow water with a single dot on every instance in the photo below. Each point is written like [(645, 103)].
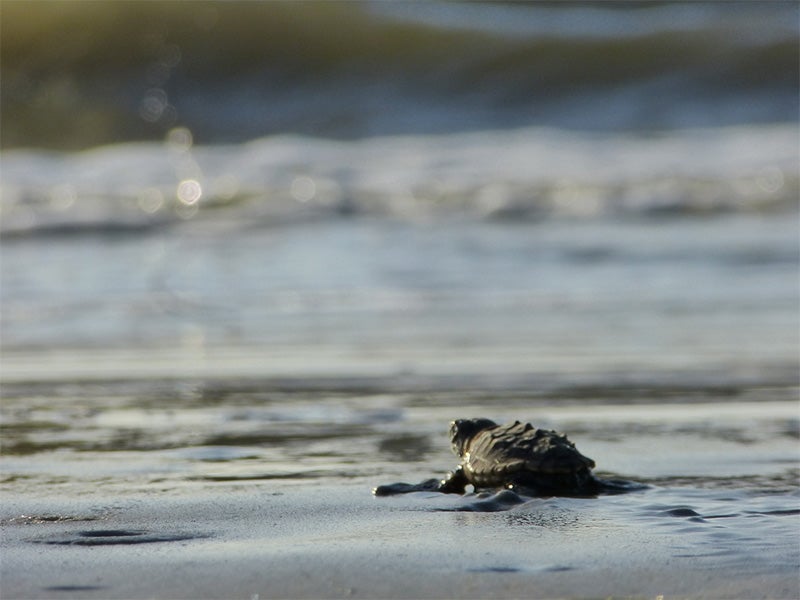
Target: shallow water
[(177, 434)]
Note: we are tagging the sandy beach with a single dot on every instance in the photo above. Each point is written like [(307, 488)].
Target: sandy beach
[(240, 528), (277, 541)]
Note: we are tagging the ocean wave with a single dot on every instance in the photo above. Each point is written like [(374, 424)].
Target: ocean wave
[(238, 70), (523, 174)]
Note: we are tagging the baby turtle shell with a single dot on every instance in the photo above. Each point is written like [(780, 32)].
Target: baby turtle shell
[(517, 454)]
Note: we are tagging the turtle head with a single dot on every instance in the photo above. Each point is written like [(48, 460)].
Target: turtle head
[(463, 430)]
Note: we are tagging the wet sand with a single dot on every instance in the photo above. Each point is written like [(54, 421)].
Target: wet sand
[(307, 541), (719, 517)]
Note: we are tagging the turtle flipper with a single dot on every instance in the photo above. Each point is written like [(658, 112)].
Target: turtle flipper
[(454, 483), (393, 489)]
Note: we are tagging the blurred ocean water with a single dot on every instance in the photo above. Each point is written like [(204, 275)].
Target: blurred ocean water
[(560, 188), (80, 74), (434, 194)]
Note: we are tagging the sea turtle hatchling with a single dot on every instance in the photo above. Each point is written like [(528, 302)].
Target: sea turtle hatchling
[(516, 456)]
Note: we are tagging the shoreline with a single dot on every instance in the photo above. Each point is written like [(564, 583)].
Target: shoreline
[(145, 489), (310, 541), (348, 367)]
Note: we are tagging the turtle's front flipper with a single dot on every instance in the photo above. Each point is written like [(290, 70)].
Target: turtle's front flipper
[(454, 483), (392, 489)]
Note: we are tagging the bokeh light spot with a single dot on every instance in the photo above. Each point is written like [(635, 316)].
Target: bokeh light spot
[(303, 189), (189, 191), (180, 139), (153, 105)]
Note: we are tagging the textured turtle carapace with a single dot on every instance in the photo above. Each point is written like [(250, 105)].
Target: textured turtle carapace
[(516, 454)]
